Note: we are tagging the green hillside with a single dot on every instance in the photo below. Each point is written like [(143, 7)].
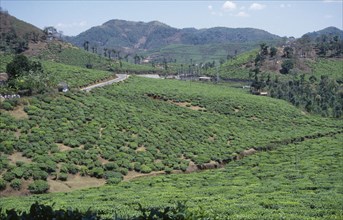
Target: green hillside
[(145, 125), (61, 52), (136, 122)]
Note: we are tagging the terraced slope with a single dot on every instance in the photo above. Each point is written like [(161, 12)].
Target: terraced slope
[(144, 126)]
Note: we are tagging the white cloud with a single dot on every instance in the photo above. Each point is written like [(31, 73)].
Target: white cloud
[(210, 7), (229, 6), (72, 25), (256, 6), (242, 14), (242, 8)]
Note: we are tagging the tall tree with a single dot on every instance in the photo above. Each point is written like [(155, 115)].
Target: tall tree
[(86, 45)]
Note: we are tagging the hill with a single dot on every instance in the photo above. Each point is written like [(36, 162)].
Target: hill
[(326, 31), (16, 34), (20, 28), (153, 37), (149, 127)]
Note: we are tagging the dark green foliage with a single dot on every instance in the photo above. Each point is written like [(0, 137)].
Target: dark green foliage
[(38, 187), (273, 51), (287, 66), (18, 66), (46, 212), (8, 176), (323, 97)]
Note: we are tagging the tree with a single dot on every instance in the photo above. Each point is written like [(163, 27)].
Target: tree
[(264, 49), (137, 59), (286, 66), (273, 51), (86, 45), (18, 66), (288, 52)]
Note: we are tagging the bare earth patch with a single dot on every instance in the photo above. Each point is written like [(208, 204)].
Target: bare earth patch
[(141, 149), (75, 182), (133, 174), (12, 192), (19, 113), (187, 105), (18, 156), (102, 160), (63, 147)]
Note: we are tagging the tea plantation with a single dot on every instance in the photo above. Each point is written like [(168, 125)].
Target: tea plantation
[(147, 125)]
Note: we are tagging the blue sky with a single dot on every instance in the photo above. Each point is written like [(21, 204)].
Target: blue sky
[(284, 18)]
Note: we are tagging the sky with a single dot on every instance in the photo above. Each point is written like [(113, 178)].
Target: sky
[(283, 18)]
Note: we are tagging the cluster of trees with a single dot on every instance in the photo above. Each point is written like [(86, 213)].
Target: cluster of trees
[(10, 42), (28, 76), (329, 46), (323, 96)]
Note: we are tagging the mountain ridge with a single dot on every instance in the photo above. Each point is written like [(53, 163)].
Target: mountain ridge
[(155, 34)]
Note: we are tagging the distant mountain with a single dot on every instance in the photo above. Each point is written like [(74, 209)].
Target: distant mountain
[(141, 36), (326, 31)]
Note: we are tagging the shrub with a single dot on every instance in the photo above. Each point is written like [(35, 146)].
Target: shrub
[(8, 176), (2, 184), (137, 167), (111, 166), (18, 172), (39, 186), (168, 170), (39, 175), (111, 175), (7, 106), (113, 181), (145, 169), (97, 172), (16, 184), (63, 176)]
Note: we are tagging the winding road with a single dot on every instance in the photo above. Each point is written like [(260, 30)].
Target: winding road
[(121, 77)]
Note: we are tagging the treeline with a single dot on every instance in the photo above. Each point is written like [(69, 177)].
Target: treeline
[(322, 96)]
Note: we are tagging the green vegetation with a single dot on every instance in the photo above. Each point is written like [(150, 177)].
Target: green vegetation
[(75, 76), (296, 181), (138, 125), (327, 67)]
